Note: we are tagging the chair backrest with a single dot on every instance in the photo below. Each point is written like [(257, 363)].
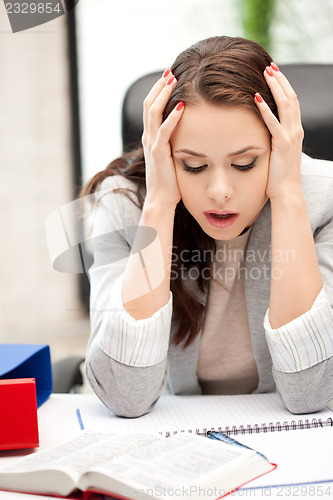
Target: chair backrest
[(312, 82), (132, 110)]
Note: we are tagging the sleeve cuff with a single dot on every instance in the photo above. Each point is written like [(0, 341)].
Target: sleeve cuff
[(140, 343), (305, 341)]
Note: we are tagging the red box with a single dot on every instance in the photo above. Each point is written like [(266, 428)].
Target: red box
[(18, 414)]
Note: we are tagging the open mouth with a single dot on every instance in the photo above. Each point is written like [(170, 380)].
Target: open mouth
[(221, 216), (221, 219)]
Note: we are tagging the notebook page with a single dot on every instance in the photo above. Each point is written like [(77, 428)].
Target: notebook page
[(302, 456), (198, 414)]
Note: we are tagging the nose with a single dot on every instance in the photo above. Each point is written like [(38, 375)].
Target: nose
[(220, 186)]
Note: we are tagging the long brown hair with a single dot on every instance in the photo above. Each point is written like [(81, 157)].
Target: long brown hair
[(220, 70)]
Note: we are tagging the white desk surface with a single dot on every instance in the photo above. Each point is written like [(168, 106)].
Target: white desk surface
[(58, 422)]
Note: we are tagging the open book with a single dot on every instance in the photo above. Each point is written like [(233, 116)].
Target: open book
[(138, 466)]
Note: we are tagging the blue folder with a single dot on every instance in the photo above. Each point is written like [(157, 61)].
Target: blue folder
[(28, 361)]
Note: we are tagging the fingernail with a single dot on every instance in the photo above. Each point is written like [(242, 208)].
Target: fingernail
[(258, 97), (179, 106), (274, 66), (269, 71), (170, 80), (166, 73)]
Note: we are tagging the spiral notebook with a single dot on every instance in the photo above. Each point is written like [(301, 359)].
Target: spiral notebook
[(244, 414), (301, 445)]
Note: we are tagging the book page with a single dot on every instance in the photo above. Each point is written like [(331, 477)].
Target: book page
[(170, 460), (57, 470), (176, 414), (181, 463), (54, 471), (81, 453)]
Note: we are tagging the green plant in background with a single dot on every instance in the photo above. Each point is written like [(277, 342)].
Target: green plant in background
[(257, 17)]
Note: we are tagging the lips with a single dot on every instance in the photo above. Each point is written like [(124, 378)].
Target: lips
[(221, 219)]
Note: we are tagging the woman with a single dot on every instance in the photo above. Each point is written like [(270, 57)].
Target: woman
[(213, 268)]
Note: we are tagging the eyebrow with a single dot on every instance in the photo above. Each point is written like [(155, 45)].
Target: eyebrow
[(235, 153)]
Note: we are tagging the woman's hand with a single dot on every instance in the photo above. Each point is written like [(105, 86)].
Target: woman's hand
[(287, 135), (295, 275), (161, 181)]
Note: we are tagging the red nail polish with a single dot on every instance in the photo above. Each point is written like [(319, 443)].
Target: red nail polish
[(166, 73), (170, 80), (269, 71), (274, 66), (179, 106), (258, 98)]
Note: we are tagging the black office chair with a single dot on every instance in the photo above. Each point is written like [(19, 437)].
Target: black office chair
[(131, 116), (314, 86)]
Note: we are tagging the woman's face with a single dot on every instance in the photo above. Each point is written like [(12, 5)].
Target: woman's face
[(221, 156)]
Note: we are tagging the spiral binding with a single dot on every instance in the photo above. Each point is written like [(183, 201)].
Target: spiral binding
[(270, 427)]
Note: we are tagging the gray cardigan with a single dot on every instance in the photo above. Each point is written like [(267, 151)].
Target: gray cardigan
[(131, 389)]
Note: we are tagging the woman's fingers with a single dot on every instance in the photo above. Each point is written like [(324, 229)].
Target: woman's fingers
[(284, 82), (286, 131), (289, 125), (282, 134), (156, 110), (163, 84), (156, 135), (156, 89), (284, 95), (170, 124), (161, 180), (269, 118)]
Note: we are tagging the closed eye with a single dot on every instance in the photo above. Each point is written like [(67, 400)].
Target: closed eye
[(194, 170), (246, 167)]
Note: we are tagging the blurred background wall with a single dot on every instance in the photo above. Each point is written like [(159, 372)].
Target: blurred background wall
[(117, 42), (37, 304)]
